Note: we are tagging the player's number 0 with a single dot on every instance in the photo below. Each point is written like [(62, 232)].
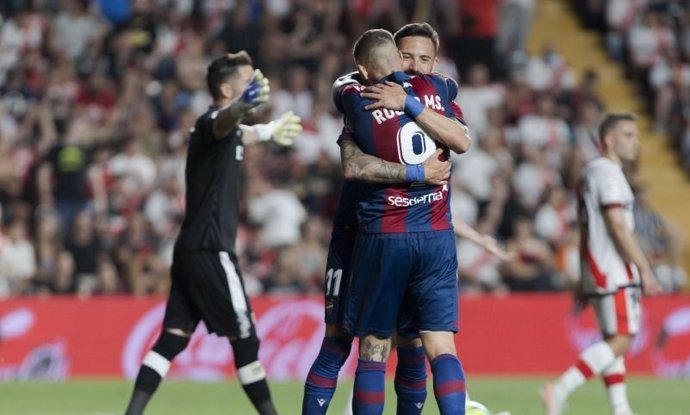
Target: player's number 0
[(414, 145)]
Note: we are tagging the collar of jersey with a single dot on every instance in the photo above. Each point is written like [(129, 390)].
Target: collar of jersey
[(398, 77)]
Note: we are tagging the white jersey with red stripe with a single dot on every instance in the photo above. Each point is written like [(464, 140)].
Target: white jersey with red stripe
[(604, 186)]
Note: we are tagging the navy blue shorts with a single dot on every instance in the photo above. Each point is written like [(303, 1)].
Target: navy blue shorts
[(403, 280), (337, 278)]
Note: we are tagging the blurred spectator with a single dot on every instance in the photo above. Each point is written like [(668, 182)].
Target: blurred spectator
[(514, 27), (67, 180), (75, 29), (17, 258), (473, 28), (545, 131), (136, 258), (48, 244), (532, 267), (107, 279), (661, 242), (549, 72), (277, 211), (477, 96), (86, 248), (63, 281), (306, 259)]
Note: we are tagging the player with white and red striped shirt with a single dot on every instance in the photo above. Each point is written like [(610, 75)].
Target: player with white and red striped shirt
[(614, 269)]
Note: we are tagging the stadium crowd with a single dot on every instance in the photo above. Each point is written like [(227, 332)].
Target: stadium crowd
[(98, 97), (652, 39)]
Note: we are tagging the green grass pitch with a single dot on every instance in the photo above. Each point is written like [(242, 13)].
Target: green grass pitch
[(519, 395)]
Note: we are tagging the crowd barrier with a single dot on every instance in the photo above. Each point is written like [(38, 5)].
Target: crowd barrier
[(66, 337)]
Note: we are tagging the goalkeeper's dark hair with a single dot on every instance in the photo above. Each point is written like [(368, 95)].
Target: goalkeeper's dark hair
[(369, 41), (224, 67), (418, 29), (611, 120)]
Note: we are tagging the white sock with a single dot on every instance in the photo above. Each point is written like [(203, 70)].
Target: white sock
[(614, 378), (593, 360)]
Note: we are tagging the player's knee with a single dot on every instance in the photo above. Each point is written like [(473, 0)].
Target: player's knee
[(438, 343), (160, 356), (170, 344), (334, 330), (620, 343), (410, 342)]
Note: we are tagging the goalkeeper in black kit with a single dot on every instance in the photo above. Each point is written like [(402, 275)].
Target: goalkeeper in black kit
[(206, 281)]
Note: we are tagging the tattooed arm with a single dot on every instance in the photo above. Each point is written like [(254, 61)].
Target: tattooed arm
[(360, 166)]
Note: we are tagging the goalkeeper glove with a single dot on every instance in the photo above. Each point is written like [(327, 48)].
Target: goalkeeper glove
[(255, 94), (282, 130)]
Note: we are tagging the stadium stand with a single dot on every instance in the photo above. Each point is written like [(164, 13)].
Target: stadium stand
[(98, 96)]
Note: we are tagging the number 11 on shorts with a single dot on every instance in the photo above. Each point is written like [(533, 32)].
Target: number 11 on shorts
[(333, 277)]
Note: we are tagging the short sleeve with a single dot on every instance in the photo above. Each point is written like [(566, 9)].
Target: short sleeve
[(452, 88), (457, 112), (611, 191), (347, 134), (348, 99), (339, 85), (204, 125)]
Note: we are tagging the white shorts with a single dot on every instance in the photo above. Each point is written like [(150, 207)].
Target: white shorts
[(619, 312)]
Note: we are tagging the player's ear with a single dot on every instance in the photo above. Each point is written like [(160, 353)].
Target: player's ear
[(226, 90), (362, 70)]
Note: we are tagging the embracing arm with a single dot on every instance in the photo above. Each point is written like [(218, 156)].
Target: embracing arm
[(448, 131), (360, 166)]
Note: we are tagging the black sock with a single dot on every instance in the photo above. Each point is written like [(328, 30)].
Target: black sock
[(138, 402), (166, 348), (254, 385), (260, 396)]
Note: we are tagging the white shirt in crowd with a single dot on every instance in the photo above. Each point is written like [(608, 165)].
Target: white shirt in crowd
[(280, 213)]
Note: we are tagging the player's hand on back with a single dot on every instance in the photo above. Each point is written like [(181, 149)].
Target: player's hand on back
[(436, 172), (282, 130), (387, 95)]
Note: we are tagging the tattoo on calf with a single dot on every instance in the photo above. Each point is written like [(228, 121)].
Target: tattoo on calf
[(375, 350)]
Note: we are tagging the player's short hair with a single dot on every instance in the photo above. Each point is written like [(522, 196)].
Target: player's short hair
[(611, 120), (224, 67), (418, 29), (371, 40)]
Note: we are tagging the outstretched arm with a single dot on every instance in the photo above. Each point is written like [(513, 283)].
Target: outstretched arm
[(229, 116), (282, 130), (360, 166)]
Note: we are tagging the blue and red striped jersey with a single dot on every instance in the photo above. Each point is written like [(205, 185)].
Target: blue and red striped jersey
[(394, 136)]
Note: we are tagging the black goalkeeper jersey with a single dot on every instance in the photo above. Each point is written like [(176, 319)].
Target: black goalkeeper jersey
[(212, 177)]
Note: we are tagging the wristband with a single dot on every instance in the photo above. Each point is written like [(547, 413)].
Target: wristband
[(264, 131), (414, 173), (412, 106)]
